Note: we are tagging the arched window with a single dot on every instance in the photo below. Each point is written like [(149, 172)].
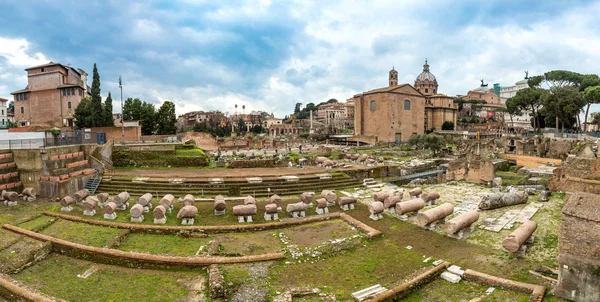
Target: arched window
[(373, 106), (406, 105)]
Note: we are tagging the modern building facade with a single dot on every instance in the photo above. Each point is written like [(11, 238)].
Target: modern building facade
[(52, 93), (4, 113)]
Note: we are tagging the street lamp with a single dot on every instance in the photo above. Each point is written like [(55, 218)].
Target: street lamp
[(122, 122)]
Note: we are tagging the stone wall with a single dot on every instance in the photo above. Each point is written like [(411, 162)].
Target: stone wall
[(559, 149), (58, 189), (203, 140), (579, 249), (577, 175), (475, 170), (530, 161)]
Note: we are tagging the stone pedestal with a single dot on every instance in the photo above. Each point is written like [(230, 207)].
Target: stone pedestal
[(110, 216), (89, 213), (403, 217), (220, 213), (187, 221), (122, 207), (322, 211), (330, 203), (242, 219), (29, 198), (298, 214), (10, 203), (347, 207), (160, 221), (375, 216), (271, 216), (66, 209), (137, 219)]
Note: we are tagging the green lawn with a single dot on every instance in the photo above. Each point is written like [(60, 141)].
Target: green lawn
[(57, 276), (81, 233), (164, 244), (441, 290)]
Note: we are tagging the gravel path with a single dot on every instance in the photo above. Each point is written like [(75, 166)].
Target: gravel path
[(255, 288)]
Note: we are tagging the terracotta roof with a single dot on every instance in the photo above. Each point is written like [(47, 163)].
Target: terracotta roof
[(20, 91), (44, 65), (583, 205), (3, 99)]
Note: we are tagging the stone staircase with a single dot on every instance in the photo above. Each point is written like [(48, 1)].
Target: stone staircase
[(229, 186), (371, 183), (9, 175)]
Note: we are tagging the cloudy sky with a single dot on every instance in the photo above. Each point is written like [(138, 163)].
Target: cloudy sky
[(269, 55)]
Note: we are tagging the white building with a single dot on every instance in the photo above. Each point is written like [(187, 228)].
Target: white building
[(518, 121)]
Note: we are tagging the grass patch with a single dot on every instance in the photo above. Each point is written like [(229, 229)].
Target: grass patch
[(36, 223), (442, 290), (319, 232), (163, 244), (81, 233), (57, 276), (249, 243), (512, 178), (377, 261)]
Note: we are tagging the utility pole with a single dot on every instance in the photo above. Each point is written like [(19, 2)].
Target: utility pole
[(122, 117)]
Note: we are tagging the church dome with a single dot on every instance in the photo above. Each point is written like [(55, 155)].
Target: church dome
[(426, 75)]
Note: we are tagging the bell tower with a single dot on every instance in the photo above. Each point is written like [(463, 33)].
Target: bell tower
[(393, 77)]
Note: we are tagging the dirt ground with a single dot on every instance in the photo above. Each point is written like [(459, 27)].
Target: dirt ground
[(209, 173)]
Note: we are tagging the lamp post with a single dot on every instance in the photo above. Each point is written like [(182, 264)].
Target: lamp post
[(122, 122)]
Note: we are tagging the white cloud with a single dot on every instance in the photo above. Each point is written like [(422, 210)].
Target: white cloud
[(16, 52)]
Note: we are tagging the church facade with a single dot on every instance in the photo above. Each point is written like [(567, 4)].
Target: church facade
[(397, 112)]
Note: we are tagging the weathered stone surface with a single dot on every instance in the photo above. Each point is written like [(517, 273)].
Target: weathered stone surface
[(320, 159), (462, 221), (110, 207), (380, 196), (145, 199), (307, 197), (321, 203), (579, 249), (245, 210), (271, 208), (437, 213), (415, 192), (81, 195), (391, 201), (66, 201), (559, 149), (329, 195), (187, 211), (513, 242), (376, 207), (29, 192), (250, 200), (189, 200), (137, 210), (296, 207), (167, 201), (216, 282), (544, 195), (498, 200), (10, 195), (121, 198), (430, 196), (90, 203), (102, 197), (497, 182), (409, 206), (159, 212), (346, 200), (586, 152), (219, 203), (276, 200)]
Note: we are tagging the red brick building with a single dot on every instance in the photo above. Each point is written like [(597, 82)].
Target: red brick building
[(52, 93)]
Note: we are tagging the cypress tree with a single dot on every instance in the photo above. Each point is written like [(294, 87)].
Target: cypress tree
[(108, 107), (97, 119)]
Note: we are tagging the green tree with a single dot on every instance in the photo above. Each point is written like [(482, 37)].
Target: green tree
[(166, 119), (97, 119), (108, 108), (564, 102), (433, 142), (592, 96), (528, 99), (448, 125), (417, 141), (83, 114), (297, 108), (136, 110), (241, 126)]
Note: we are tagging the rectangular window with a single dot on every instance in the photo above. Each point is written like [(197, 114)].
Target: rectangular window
[(64, 92), (72, 91), (2, 111), (68, 91), (22, 109), (69, 104), (25, 96)]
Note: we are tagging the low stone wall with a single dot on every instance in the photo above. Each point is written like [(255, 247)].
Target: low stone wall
[(530, 161), (165, 229), (254, 163), (412, 284), (58, 189), (133, 259), (537, 291), (14, 291)]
